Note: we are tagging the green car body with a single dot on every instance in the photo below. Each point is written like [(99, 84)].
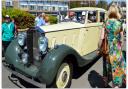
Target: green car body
[(47, 69)]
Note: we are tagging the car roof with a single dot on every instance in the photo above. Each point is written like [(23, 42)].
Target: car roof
[(87, 8)]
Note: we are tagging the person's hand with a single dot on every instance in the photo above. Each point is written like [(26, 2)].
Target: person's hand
[(98, 51)]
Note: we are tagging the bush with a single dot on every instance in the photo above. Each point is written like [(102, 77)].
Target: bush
[(53, 19), (22, 19)]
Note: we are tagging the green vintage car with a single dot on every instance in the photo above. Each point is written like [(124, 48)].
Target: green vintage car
[(48, 56)]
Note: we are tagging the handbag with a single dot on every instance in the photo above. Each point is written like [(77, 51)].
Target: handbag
[(104, 48)]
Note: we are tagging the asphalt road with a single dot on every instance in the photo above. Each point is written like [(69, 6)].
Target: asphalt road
[(90, 77)]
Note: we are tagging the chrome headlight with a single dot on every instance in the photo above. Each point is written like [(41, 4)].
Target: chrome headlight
[(25, 58), (21, 38), (43, 44)]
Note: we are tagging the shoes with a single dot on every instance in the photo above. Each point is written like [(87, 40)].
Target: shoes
[(116, 87), (106, 81)]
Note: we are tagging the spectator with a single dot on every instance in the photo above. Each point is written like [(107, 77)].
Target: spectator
[(43, 15), (115, 62), (16, 30), (8, 30), (39, 21), (47, 22)]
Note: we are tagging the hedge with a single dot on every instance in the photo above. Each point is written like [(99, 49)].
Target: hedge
[(53, 19), (22, 19)]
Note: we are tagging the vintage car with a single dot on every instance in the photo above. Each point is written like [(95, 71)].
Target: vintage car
[(48, 56)]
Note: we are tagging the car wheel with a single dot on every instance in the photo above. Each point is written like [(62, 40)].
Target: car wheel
[(64, 76)]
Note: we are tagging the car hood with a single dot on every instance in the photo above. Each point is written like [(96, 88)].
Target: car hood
[(62, 26)]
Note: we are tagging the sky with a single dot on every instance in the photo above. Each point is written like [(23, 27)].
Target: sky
[(109, 1)]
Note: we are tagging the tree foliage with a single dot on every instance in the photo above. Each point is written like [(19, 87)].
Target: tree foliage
[(74, 4), (102, 4), (22, 19), (52, 19)]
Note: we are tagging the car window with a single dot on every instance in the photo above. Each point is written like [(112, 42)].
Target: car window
[(73, 16), (92, 16), (102, 16)]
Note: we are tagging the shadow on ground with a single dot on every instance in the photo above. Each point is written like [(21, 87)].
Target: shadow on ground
[(80, 71), (96, 80), (21, 83)]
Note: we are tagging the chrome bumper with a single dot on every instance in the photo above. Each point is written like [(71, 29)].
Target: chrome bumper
[(23, 77)]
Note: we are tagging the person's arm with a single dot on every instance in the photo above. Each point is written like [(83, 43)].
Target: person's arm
[(122, 35), (2, 28), (101, 37), (36, 21), (43, 22), (122, 38), (16, 30)]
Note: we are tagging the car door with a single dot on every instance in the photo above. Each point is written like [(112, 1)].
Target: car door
[(91, 33)]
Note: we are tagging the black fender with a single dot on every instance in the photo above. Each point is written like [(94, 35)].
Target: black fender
[(53, 60)]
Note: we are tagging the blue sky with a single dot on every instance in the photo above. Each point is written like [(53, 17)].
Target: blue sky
[(106, 0), (109, 1)]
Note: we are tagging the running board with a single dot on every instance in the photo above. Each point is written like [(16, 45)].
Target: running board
[(91, 56)]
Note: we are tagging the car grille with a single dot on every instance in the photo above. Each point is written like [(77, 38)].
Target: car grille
[(32, 45)]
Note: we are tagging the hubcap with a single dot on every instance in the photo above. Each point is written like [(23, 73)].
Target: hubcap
[(63, 76)]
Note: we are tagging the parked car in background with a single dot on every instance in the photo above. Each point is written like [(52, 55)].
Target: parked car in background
[(50, 54)]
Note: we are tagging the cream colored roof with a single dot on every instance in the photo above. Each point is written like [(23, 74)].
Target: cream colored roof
[(61, 26), (87, 8)]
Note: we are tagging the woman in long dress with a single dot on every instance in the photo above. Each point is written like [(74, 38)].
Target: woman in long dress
[(115, 62)]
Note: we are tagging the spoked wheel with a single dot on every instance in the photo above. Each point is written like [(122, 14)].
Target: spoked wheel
[(63, 77)]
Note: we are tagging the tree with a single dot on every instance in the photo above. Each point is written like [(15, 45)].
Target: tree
[(82, 3), (22, 19), (74, 4), (102, 4)]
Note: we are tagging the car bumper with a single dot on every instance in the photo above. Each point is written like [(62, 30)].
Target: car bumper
[(23, 77)]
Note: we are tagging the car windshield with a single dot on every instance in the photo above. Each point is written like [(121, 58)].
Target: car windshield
[(72, 16)]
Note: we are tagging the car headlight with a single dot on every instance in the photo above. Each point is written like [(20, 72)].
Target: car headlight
[(21, 38), (43, 44), (24, 58)]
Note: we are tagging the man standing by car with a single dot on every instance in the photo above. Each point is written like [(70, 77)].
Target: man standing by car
[(39, 21), (8, 31)]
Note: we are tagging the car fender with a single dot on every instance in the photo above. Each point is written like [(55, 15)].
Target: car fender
[(52, 62)]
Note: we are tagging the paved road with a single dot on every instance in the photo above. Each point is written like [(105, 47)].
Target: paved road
[(89, 77), (81, 82)]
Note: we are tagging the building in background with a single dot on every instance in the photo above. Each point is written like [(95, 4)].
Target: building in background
[(37, 6), (7, 3), (10, 3), (47, 6), (3, 4), (15, 3)]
